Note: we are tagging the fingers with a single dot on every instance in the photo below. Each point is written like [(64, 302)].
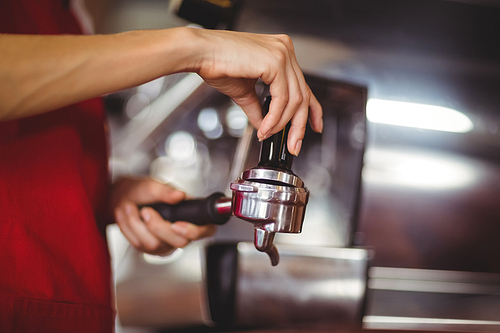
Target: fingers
[(150, 190), (136, 230), (270, 58), (285, 99), (193, 232), (144, 190), (291, 100), (283, 89), (299, 119), (162, 230), (316, 115), (148, 232), (178, 234)]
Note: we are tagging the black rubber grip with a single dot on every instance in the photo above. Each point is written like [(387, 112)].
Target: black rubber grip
[(273, 150), (197, 211)]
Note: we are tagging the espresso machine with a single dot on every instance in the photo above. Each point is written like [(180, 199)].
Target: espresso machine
[(237, 278), (325, 279)]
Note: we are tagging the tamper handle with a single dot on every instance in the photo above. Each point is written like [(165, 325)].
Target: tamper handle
[(273, 150), (214, 209)]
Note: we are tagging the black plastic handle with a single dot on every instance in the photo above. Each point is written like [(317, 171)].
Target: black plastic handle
[(273, 150), (198, 211)]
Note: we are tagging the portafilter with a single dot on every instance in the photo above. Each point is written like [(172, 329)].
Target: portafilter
[(269, 195)]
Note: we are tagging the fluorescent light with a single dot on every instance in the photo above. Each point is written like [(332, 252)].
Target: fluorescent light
[(428, 321), (430, 117), (417, 169)]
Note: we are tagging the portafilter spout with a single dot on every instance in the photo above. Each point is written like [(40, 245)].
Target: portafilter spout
[(270, 195)]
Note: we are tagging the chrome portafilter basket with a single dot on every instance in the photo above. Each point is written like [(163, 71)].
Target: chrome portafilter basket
[(274, 201), (270, 196)]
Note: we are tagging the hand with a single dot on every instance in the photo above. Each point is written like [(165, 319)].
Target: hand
[(235, 61), (146, 230)]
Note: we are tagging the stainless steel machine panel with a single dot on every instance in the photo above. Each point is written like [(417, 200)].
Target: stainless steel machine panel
[(317, 287)]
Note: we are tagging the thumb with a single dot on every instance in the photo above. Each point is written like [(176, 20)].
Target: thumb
[(171, 195), (154, 191)]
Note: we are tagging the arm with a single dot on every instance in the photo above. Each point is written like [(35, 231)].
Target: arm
[(42, 73)]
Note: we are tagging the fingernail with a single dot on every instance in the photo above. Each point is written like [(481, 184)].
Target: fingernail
[(145, 215), (179, 228), (298, 146), (128, 209), (264, 136), (321, 126)]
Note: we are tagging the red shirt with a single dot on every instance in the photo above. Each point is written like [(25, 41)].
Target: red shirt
[(55, 271)]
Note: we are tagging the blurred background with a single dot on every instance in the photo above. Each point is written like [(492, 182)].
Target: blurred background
[(407, 170)]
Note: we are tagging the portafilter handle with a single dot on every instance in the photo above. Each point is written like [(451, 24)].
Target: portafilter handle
[(214, 209)]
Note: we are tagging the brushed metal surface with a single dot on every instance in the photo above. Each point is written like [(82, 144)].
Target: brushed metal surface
[(163, 291), (280, 207), (316, 286)]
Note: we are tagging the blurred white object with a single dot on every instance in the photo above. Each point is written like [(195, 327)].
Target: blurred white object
[(415, 115)]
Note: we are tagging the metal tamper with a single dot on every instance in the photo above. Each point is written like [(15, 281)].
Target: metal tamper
[(269, 195)]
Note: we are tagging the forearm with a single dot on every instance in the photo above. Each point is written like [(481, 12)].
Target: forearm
[(42, 73)]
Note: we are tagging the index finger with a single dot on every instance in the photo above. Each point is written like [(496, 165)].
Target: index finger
[(278, 89)]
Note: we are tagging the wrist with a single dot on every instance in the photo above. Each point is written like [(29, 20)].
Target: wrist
[(188, 53)]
